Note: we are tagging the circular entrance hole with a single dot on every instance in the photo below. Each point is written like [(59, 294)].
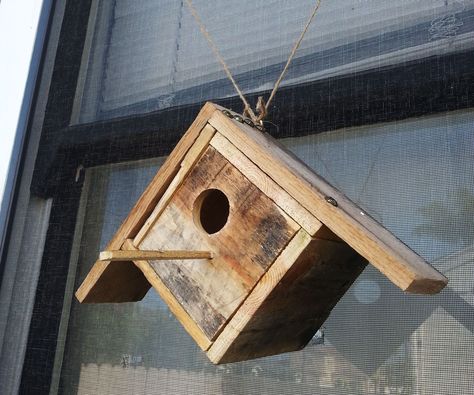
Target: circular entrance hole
[(211, 210)]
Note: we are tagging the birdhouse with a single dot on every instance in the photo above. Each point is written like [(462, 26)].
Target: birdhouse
[(249, 247)]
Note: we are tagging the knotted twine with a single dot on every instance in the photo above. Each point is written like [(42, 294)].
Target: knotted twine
[(262, 107)]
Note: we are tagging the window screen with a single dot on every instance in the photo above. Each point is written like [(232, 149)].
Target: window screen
[(413, 176), (150, 55)]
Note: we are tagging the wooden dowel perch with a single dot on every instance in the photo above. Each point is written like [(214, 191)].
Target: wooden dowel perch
[(121, 255)]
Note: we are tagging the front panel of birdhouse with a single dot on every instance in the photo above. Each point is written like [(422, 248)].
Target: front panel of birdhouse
[(216, 208)]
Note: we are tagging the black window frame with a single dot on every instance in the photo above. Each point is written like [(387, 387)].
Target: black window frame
[(427, 86)]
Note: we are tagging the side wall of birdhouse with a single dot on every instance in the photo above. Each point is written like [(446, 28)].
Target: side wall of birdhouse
[(291, 301)]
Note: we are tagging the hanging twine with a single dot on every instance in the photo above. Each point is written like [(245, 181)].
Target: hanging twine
[(262, 107), (221, 60)]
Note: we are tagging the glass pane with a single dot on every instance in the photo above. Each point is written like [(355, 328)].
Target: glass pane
[(151, 55), (415, 177)]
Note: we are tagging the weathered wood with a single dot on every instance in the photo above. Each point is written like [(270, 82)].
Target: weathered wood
[(186, 165), (270, 188), (285, 245), (290, 302), (388, 254), (194, 331), (121, 255), (96, 287), (261, 291), (254, 235)]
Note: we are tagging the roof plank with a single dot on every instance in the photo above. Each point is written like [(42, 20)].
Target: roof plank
[(381, 248)]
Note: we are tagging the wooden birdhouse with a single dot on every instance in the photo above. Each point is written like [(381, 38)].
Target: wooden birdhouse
[(249, 247)]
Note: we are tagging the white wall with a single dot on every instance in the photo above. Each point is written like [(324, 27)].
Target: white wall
[(18, 25)]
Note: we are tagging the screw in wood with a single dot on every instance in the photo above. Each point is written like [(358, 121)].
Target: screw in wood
[(227, 113), (331, 200)]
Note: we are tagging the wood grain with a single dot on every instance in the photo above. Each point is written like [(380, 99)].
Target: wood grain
[(270, 188), (186, 165), (290, 302), (255, 233), (174, 306), (96, 288), (134, 255), (394, 259)]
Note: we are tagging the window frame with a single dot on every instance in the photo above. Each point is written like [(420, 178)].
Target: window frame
[(427, 86)]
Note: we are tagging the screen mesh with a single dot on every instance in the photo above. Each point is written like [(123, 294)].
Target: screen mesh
[(413, 176), (150, 55)]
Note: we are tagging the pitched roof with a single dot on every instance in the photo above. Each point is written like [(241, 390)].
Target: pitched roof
[(406, 269)]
